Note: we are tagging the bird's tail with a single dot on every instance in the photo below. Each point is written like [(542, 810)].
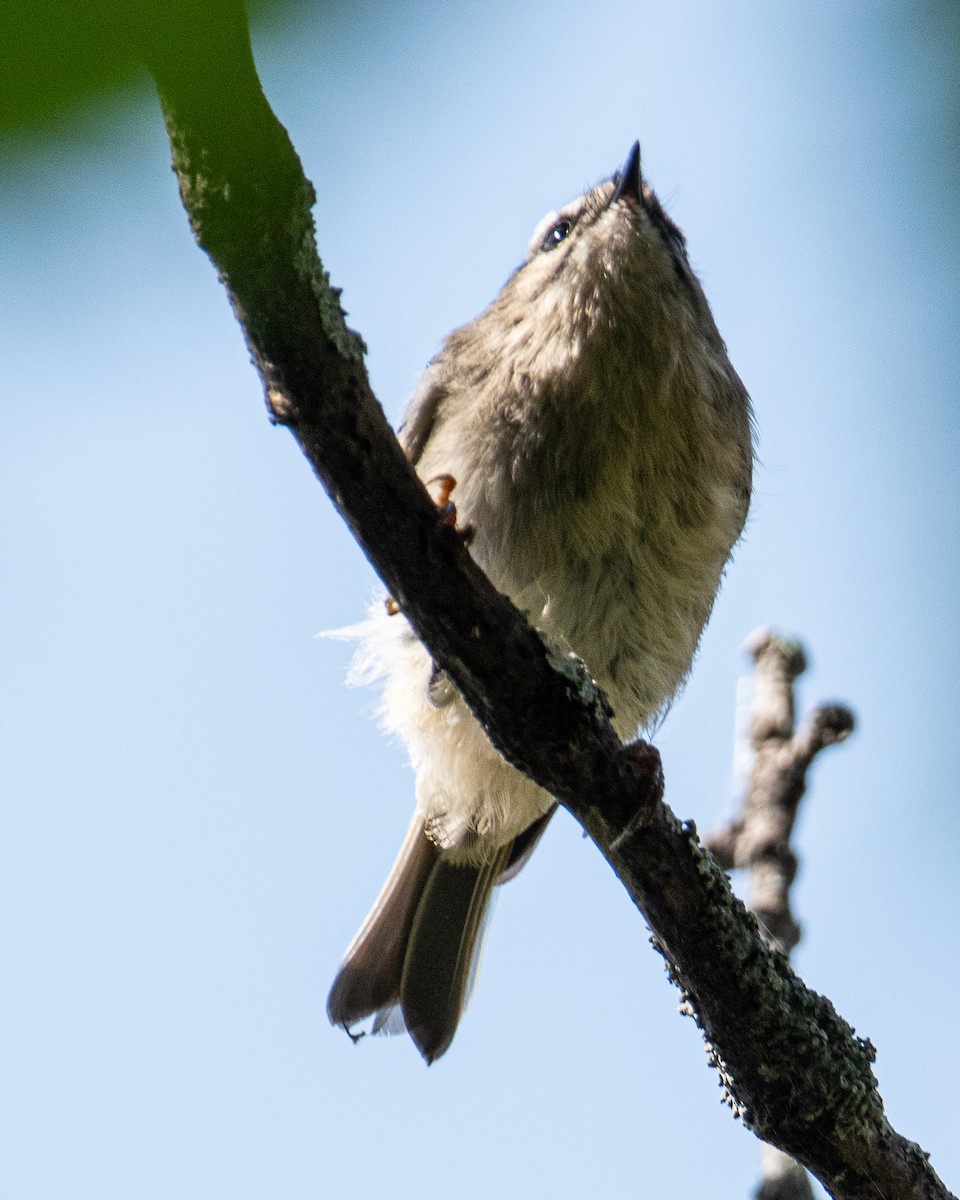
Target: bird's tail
[(412, 964)]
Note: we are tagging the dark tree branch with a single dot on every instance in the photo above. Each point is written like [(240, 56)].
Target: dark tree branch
[(758, 838), (794, 1069)]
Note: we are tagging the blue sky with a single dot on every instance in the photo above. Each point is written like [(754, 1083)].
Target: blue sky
[(197, 812)]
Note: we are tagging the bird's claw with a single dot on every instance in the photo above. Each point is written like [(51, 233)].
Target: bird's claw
[(443, 486)]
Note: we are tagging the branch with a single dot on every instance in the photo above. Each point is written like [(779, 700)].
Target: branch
[(758, 838), (794, 1069)]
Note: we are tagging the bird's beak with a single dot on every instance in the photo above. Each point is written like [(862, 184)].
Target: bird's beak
[(628, 179)]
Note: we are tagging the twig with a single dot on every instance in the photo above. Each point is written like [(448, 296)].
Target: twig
[(757, 839)]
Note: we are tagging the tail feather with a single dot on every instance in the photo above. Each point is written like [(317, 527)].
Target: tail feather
[(368, 981), (523, 846), (413, 962), (441, 954)]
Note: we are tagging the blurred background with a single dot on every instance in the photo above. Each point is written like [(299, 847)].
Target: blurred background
[(197, 812)]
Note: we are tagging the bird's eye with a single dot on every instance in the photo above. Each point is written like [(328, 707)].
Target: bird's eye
[(556, 235)]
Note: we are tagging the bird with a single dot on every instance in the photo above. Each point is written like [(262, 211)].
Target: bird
[(596, 446)]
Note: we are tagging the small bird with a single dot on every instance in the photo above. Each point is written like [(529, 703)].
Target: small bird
[(597, 444)]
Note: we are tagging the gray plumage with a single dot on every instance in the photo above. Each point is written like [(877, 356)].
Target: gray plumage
[(600, 442)]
